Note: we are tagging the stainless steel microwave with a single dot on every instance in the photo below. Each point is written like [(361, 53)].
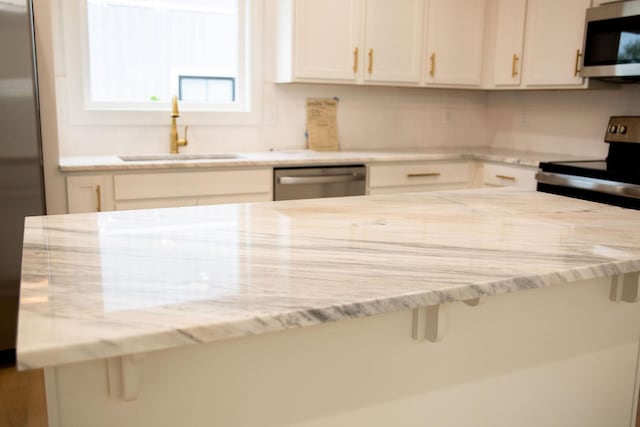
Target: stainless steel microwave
[(611, 46)]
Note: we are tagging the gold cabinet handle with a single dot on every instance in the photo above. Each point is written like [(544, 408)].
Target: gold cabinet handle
[(98, 199), (421, 175), (355, 60), (514, 65), (370, 69), (506, 177), (577, 68), (432, 70)]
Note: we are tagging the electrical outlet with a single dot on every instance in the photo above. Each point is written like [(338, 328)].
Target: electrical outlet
[(446, 115)]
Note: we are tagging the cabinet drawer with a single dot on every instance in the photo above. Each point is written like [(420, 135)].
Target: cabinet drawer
[(418, 174), (503, 176), (192, 184)]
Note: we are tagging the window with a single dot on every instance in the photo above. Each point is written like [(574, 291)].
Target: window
[(136, 46), (126, 59), (207, 89)]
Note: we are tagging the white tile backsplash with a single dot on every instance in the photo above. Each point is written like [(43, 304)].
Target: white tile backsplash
[(571, 122)]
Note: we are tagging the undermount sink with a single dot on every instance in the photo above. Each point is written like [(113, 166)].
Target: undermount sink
[(154, 157)]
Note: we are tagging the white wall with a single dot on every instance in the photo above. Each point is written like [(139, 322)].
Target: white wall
[(571, 122), (368, 117), (55, 192)]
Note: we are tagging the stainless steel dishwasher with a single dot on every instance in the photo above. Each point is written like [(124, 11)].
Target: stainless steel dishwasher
[(314, 182)]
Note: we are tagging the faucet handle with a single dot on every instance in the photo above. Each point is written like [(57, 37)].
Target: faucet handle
[(182, 142)]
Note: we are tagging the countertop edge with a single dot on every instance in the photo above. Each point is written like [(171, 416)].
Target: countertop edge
[(276, 159), (203, 334)]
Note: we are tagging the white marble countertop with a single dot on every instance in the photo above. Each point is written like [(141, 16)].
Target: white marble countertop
[(114, 283), (314, 158)]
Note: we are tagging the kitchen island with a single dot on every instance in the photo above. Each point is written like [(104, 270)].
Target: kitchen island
[(492, 307)]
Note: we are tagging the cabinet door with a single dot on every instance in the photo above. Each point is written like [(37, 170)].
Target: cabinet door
[(509, 42), (553, 39), (327, 39), (455, 40), (89, 193), (393, 40)]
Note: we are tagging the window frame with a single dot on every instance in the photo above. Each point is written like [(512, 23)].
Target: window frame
[(82, 111)]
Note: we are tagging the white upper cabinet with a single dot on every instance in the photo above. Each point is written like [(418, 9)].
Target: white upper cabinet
[(393, 40), (553, 40), (509, 42), (349, 41), (455, 34), (327, 39)]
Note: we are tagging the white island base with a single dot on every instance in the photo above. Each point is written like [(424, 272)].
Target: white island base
[(558, 356)]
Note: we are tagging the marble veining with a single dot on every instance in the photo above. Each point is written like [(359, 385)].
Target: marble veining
[(107, 284), (313, 158)]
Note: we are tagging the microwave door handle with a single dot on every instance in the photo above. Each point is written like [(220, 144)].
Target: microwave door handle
[(324, 179)]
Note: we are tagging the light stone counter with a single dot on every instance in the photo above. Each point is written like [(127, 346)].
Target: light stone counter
[(496, 307), (312, 158), (115, 283)]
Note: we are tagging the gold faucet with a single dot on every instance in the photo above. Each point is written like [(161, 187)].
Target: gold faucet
[(174, 139)]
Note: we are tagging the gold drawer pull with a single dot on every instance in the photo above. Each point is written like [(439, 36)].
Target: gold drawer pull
[(98, 199), (514, 65), (432, 70), (370, 69), (420, 175), (577, 69), (355, 60), (508, 178)]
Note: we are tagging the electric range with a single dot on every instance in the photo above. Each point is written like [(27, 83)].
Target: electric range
[(614, 180)]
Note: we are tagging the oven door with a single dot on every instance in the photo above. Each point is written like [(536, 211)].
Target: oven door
[(596, 190), (612, 40)]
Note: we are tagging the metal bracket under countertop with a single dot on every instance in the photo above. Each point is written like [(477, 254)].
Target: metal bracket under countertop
[(124, 375), (625, 288), (428, 323)]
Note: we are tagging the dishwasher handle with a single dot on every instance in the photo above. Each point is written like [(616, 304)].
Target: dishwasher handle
[(320, 179)]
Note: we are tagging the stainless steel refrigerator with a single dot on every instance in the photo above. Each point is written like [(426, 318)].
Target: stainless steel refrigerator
[(21, 176)]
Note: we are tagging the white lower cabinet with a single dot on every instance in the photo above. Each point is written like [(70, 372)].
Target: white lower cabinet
[(168, 189), (418, 176), (500, 175), (89, 193), (173, 189), (94, 193)]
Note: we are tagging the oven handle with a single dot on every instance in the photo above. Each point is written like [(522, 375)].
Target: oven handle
[(592, 184), (324, 179)]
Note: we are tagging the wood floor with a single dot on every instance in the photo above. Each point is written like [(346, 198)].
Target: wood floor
[(23, 403), (22, 398)]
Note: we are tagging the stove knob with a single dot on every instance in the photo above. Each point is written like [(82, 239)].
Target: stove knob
[(622, 129), (613, 129)]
